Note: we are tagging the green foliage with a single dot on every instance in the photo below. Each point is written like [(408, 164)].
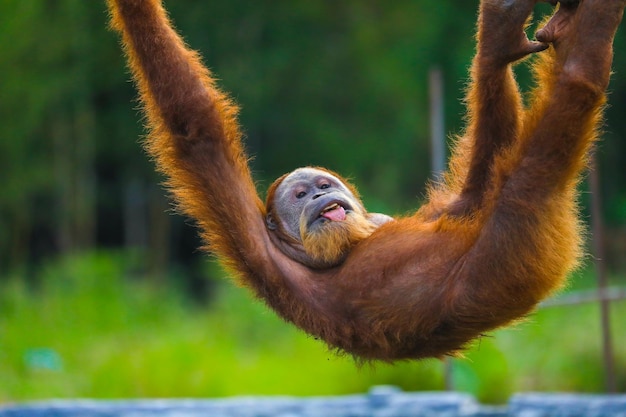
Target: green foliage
[(90, 329), (120, 337)]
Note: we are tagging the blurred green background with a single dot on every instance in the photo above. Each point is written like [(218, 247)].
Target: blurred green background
[(104, 294)]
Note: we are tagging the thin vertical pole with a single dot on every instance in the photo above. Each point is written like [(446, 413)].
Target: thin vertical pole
[(597, 227), (438, 163), (448, 374), (437, 123)]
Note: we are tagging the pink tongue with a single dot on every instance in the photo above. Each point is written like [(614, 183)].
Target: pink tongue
[(336, 215)]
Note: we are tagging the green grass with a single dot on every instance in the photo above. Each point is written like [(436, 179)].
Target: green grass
[(91, 329)]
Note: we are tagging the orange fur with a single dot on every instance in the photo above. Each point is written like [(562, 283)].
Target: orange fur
[(500, 234), (334, 242)]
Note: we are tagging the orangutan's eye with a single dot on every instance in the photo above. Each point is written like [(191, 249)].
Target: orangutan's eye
[(301, 194), (324, 186)]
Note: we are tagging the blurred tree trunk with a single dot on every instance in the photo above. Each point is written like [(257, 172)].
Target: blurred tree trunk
[(135, 227), (19, 231), (84, 127), (84, 181), (147, 227), (73, 131), (61, 138), (160, 227)]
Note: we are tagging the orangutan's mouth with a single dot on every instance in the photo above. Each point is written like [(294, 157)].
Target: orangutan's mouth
[(334, 212)]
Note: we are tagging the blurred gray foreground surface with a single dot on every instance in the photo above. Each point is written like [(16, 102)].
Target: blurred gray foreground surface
[(381, 401)]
